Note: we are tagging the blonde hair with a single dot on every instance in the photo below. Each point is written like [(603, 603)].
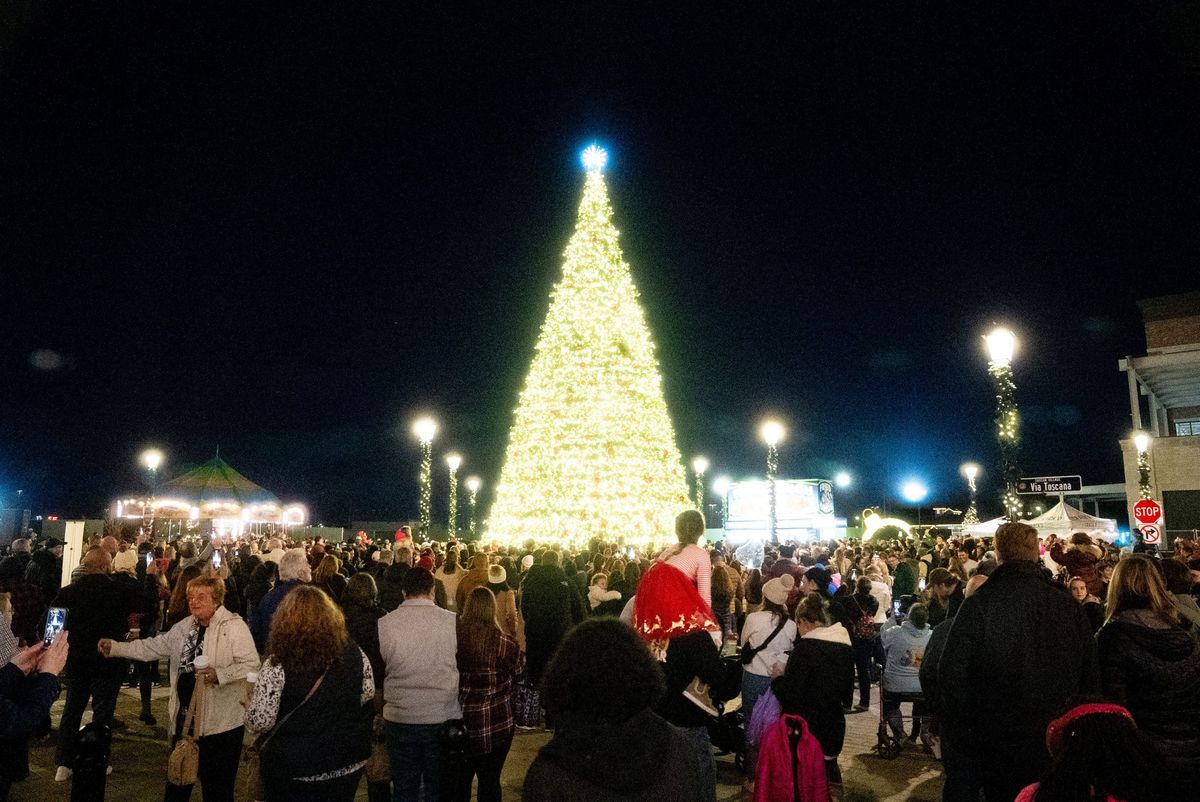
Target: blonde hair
[(328, 567), (308, 633), (1137, 585), (596, 577), (214, 583)]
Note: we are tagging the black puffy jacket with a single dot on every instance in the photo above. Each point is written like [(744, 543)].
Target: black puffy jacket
[(1152, 667)]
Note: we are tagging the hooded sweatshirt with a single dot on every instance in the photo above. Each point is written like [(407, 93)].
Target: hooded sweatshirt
[(641, 758), (1152, 666), (905, 649)]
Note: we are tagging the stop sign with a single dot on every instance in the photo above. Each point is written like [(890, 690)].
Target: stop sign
[(1147, 511)]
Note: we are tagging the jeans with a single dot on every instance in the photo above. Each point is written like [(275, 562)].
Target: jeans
[(415, 754), (864, 652), (753, 686), (102, 687), (487, 768), (697, 737), (220, 755)]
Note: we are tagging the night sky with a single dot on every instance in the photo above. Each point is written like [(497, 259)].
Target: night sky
[(285, 233)]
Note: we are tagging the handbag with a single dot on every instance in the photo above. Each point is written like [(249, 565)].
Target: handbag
[(379, 766), (183, 765), (252, 785), (747, 654)]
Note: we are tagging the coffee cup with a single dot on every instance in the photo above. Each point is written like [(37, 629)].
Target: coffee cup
[(201, 662)]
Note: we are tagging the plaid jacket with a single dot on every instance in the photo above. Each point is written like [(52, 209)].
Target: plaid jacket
[(485, 689)]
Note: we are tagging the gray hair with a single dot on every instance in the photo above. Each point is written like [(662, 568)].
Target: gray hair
[(20, 545), (294, 565)]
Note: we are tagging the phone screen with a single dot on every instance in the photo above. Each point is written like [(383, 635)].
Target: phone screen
[(149, 558), (56, 619), (896, 609), (216, 559)]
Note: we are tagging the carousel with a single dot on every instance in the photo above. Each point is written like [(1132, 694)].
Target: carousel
[(213, 499)]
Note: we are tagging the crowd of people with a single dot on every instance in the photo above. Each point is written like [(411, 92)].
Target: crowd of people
[(1044, 670)]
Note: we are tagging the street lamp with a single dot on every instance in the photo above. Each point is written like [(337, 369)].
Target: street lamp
[(1001, 345), (772, 433), (700, 465), (473, 484), (721, 488), (453, 460), (970, 470), (915, 492), (1141, 442), (425, 429), (151, 458), (843, 480)]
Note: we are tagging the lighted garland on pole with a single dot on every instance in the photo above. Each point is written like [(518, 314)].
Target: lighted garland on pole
[(426, 506), (772, 470), (699, 466), (453, 461), (1007, 434), (972, 516), (1143, 466)]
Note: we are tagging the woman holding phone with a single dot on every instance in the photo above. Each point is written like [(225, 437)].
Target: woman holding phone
[(211, 647)]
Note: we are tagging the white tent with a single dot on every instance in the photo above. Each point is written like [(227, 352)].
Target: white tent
[(1064, 520), (983, 528)]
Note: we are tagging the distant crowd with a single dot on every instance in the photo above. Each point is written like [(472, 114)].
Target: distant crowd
[(1031, 669)]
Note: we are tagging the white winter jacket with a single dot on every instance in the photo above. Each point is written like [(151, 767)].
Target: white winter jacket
[(228, 644)]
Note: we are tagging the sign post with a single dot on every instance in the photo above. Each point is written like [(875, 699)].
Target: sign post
[(1148, 514)]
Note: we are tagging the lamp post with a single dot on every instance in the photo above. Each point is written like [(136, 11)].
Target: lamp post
[(772, 433), (915, 492), (971, 470), (1001, 345), (721, 488), (473, 485), (151, 458), (425, 429), (1141, 442), (700, 465), (453, 460)]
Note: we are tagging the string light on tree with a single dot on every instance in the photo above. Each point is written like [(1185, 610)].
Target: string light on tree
[(151, 458), (971, 471), (473, 485), (1141, 441), (453, 461), (699, 466), (591, 453), (1001, 345), (772, 434), (425, 429)]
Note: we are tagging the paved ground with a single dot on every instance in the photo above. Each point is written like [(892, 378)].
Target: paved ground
[(140, 756)]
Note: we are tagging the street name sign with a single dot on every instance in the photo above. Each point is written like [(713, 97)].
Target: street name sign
[(1040, 485)]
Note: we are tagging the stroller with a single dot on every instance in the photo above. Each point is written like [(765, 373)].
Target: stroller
[(727, 731), (888, 745)]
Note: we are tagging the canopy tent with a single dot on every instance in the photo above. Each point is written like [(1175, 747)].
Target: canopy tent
[(213, 492), (984, 528), (1064, 520), (216, 482)]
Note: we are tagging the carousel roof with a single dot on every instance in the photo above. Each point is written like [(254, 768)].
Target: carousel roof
[(214, 481)]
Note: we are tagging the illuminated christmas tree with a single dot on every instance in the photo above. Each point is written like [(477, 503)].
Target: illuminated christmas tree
[(592, 451)]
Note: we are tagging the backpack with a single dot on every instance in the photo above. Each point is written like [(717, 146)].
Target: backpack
[(864, 625)]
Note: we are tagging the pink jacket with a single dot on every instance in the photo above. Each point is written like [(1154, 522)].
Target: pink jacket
[(776, 772)]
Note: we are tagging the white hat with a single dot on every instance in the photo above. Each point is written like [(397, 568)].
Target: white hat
[(777, 590), (526, 562), (497, 574)]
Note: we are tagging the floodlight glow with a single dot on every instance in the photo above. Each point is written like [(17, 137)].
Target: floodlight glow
[(1001, 345), (1141, 441), (425, 429), (721, 485), (453, 460), (914, 491), (700, 464), (594, 158), (772, 432), (473, 483), (970, 470), (843, 480), (152, 458)]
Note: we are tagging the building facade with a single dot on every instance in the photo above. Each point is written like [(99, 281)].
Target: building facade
[(1164, 402)]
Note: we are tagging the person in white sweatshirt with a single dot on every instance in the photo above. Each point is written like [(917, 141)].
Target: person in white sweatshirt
[(598, 592)]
